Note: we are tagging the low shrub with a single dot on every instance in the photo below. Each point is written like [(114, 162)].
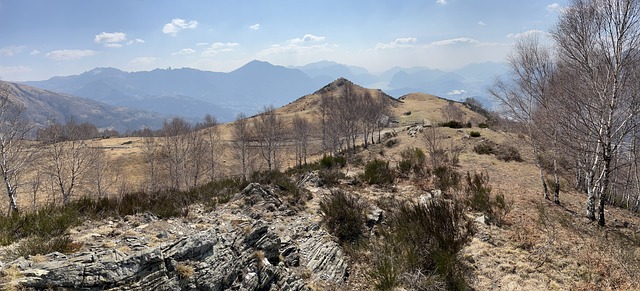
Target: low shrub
[(485, 148), (413, 161), (283, 182), (479, 198), (39, 245), (391, 143), (378, 172), (446, 178), (508, 153), (455, 124), (503, 152), (344, 215), (329, 162), (331, 177), (428, 238), (482, 125), (474, 134)]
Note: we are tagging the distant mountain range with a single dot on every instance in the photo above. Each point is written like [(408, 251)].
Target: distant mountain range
[(193, 93), (43, 106)]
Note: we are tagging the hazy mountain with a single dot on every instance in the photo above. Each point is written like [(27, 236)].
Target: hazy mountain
[(470, 81), (43, 106), (188, 92), (193, 93), (325, 72)]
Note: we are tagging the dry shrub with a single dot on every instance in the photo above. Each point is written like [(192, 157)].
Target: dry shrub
[(344, 215), (185, 271), (423, 241)]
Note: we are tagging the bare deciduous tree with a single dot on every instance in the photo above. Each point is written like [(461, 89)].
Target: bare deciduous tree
[(268, 132), (301, 136), (241, 141), (14, 154), (67, 159), (525, 97), (598, 46)]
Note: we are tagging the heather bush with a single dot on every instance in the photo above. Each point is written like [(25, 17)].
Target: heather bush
[(344, 215), (378, 172)]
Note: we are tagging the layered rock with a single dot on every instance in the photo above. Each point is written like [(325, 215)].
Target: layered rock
[(254, 243)]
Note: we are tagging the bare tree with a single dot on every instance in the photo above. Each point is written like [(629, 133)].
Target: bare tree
[(451, 112), (214, 144), (525, 97), (433, 141), (301, 135), (153, 158), (268, 132), (176, 146), (241, 142), (598, 45), (67, 159), (14, 154)]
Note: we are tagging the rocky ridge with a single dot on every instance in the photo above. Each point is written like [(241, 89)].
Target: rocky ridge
[(255, 242)]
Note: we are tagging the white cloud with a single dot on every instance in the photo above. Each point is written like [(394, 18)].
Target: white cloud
[(255, 26), (143, 61), (137, 40), (113, 45), (457, 92), (11, 50), (527, 33), (110, 37), (441, 2), (219, 47), (553, 7), (481, 23), (63, 55), (34, 52), (185, 51), (177, 24), (307, 38), (453, 41), (404, 42), (202, 43)]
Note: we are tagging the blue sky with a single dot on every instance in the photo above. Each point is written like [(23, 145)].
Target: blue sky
[(44, 38)]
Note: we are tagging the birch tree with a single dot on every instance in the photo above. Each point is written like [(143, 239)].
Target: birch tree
[(598, 45), (14, 154)]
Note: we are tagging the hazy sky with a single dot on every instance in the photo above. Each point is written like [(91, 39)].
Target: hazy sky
[(44, 38)]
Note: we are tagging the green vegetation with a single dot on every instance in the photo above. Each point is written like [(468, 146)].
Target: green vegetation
[(45, 230), (344, 215), (378, 172), (413, 161), (423, 239), (455, 124), (474, 134), (504, 153), (479, 198)]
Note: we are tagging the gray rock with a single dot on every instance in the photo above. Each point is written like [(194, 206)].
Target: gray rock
[(224, 256), (374, 216)]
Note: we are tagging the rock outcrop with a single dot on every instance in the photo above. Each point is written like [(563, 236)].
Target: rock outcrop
[(254, 243)]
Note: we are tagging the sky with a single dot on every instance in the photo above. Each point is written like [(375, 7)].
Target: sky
[(40, 39)]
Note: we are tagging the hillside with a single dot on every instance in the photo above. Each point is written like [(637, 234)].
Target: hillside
[(43, 106), (234, 234)]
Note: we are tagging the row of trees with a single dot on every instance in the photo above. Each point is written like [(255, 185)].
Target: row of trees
[(578, 100), (349, 114)]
